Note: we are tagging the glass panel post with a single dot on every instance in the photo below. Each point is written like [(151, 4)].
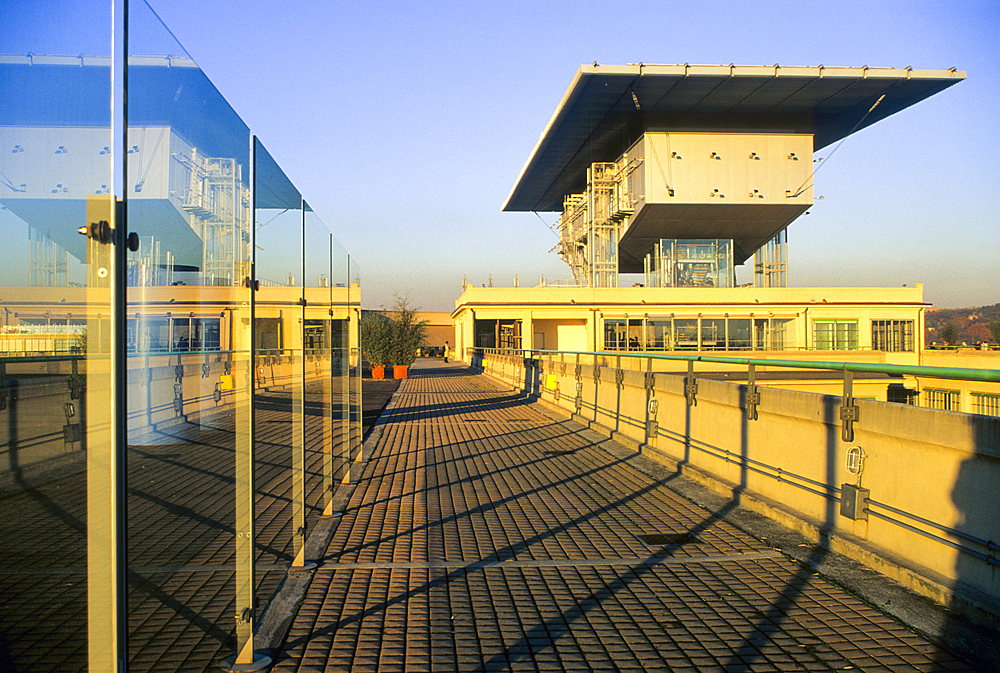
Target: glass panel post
[(103, 506), (297, 357), (61, 537)]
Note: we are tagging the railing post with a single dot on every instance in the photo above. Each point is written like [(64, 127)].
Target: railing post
[(579, 385), (652, 404), (848, 410), (691, 386), (753, 395)]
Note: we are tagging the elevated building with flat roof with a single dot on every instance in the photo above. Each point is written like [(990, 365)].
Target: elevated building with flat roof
[(681, 173)]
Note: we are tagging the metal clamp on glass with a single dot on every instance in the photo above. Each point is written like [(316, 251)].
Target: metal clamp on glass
[(99, 231)]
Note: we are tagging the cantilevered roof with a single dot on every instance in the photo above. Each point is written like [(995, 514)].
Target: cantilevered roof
[(606, 108)]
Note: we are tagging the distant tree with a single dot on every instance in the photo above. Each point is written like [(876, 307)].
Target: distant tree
[(949, 333), (995, 331), (977, 333)]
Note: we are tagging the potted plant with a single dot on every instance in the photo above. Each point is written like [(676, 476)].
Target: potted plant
[(409, 334), (377, 335)]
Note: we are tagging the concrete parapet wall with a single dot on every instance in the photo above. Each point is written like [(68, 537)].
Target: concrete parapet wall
[(930, 519), (33, 427)]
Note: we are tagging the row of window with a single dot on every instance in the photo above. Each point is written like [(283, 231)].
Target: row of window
[(987, 404), (664, 333), (168, 335), (891, 336)]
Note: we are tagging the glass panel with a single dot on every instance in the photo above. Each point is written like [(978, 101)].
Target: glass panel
[(614, 335), (279, 402), (685, 333), (783, 333), (693, 263), (658, 335), (739, 334), (341, 367), (56, 446), (713, 333), (636, 342), (354, 349), (835, 335), (317, 332), (188, 199)]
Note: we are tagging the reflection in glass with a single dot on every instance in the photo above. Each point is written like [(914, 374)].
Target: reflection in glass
[(187, 186), (198, 195), (278, 402), (713, 333), (58, 536)]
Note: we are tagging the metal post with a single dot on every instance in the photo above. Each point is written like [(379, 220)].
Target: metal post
[(246, 659), (753, 395), (848, 410), (691, 386), (652, 404)]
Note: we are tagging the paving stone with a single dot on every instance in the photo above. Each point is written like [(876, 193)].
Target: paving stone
[(544, 569)]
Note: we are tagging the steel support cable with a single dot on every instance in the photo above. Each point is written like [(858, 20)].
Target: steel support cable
[(799, 191)]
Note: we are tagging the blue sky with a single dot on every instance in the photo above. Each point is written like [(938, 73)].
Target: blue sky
[(405, 126)]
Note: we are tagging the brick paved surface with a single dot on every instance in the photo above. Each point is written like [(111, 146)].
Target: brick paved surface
[(485, 536), (182, 585)]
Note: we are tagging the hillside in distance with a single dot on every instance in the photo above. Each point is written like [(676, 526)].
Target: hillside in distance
[(971, 324)]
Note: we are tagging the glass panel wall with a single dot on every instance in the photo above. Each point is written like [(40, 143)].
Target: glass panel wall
[(58, 539), (229, 379), (690, 263), (680, 332)]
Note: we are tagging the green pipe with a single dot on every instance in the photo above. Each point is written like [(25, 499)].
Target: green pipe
[(956, 373)]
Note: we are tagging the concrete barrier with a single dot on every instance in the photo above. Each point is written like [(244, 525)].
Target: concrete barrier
[(924, 484)]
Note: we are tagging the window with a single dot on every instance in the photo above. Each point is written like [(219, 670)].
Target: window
[(658, 335), (636, 337), (986, 404), (713, 334), (835, 335), (941, 399), (614, 335), (153, 334), (900, 394), (892, 336), (739, 334), (686, 333)]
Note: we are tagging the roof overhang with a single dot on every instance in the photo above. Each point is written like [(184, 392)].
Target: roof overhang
[(607, 108)]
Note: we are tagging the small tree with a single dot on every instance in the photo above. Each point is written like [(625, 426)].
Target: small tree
[(949, 333), (377, 336), (409, 332)]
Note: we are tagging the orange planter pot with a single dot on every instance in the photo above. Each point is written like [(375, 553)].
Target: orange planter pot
[(378, 371), (399, 371)]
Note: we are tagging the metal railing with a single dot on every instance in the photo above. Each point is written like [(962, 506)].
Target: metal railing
[(529, 358)]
